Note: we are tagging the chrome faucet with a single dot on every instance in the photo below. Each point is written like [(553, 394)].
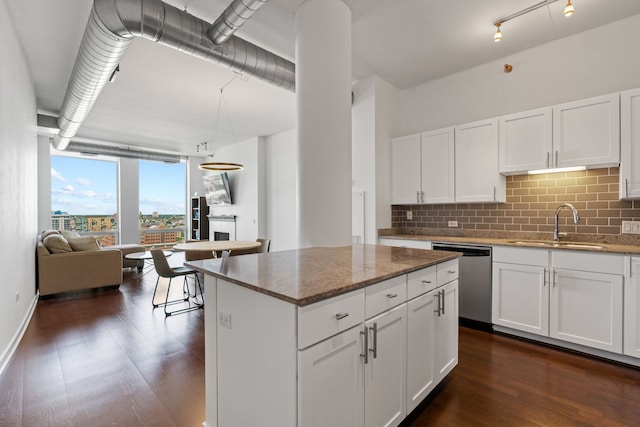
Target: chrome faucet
[(576, 219)]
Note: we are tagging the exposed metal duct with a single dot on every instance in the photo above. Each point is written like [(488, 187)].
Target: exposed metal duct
[(104, 150), (114, 23), (233, 18)]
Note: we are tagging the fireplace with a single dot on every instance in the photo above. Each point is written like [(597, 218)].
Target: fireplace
[(222, 227)]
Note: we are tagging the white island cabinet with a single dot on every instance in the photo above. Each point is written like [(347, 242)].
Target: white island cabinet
[(279, 352)]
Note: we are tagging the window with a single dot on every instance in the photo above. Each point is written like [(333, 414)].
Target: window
[(163, 189), (84, 197)]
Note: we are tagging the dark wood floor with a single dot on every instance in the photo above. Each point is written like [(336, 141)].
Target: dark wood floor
[(107, 358)]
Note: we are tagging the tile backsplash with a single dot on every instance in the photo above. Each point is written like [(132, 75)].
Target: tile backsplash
[(531, 202)]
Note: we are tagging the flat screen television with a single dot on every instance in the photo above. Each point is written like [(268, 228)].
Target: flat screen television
[(216, 189)]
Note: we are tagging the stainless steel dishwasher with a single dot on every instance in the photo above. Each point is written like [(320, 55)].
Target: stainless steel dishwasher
[(474, 282)]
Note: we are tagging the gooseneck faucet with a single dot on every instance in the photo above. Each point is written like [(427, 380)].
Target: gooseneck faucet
[(576, 219)]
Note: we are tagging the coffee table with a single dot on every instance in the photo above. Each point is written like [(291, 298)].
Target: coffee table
[(144, 258)]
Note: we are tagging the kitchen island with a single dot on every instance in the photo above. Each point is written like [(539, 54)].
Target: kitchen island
[(355, 335)]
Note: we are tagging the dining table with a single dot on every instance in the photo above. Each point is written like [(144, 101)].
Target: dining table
[(217, 245)]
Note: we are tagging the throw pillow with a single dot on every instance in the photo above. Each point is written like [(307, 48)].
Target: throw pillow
[(56, 244), (69, 234), (86, 243), (46, 233)]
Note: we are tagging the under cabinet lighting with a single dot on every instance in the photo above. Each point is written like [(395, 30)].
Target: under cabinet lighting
[(555, 170)]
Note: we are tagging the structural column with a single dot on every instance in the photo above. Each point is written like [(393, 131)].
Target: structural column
[(323, 97)]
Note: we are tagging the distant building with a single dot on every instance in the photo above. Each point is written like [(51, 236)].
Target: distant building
[(60, 220)]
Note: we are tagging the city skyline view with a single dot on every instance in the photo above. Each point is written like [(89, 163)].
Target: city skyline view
[(89, 187)]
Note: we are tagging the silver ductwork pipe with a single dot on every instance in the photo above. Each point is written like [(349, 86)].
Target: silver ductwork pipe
[(233, 18), (103, 150), (114, 23)]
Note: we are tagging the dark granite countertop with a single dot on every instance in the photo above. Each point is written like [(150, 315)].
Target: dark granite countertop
[(305, 276)]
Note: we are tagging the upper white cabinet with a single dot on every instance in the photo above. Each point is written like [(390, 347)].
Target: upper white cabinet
[(476, 163), (580, 133), (525, 141), (630, 144), (406, 163), (423, 168), (587, 132), (438, 176)]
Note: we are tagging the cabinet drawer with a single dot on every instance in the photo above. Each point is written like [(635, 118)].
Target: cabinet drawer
[(446, 272), (584, 261), (526, 256), (385, 295), (329, 317), (421, 281)]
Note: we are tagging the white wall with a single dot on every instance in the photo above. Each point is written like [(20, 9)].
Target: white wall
[(376, 119), (18, 188), (44, 182), (281, 190), (128, 218), (596, 62), (244, 188)]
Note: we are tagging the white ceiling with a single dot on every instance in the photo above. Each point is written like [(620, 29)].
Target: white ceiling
[(168, 100)]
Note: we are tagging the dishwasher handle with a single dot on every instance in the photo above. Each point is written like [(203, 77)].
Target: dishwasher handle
[(464, 250)]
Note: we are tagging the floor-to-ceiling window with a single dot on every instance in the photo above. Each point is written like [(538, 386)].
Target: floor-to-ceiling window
[(84, 197), (162, 189)]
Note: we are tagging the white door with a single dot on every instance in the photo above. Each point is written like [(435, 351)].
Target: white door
[(385, 369), (476, 163), (331, 383), (438, 166), (446, 356), (630, 144), (525, 141), (520, 297), (586, 308), (405, 172), (632, 309), (587, 132), (420, 348)]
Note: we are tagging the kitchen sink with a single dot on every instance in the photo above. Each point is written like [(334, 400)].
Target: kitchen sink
[(552, 244)]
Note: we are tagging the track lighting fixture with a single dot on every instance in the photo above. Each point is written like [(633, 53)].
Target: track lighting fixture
[(568, 11)]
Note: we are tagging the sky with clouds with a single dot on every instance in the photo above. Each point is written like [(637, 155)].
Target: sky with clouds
[(89, 187)]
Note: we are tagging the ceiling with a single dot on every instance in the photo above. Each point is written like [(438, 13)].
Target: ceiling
[(167, 100)]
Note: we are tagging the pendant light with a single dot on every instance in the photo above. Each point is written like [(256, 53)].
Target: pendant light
[(221, 166)]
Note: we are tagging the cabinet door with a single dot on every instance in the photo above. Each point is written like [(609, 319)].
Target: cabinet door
[(330, 382), (587, 132), (586, 308), (632, 310), (525, 141), (520, 297), (385, 370), (420, 348), (630, 144), (405, 154), (446, 355), (476, 163), (438, 185)]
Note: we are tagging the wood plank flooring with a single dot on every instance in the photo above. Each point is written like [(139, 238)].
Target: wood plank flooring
[(108, 358)]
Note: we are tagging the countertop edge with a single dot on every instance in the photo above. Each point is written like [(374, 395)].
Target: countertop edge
[(199, 266), (608, 248)]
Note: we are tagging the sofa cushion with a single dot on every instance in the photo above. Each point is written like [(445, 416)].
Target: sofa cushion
[(46, 233), (67, 234), (83, 243), (56, 244)]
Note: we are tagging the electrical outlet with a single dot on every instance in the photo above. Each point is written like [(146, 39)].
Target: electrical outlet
[(224, 319), (453, 223), (631, 227), (409, 215)]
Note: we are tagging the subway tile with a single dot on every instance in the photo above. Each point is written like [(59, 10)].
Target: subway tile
[(589, 180), (608, 196), (609, 179), (608, 230)]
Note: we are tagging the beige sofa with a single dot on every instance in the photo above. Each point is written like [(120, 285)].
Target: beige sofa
[(77, 263)]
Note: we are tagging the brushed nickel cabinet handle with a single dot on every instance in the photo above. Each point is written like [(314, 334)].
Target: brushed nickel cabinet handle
[(374, 350), (366, 345), (437, 310), (443, 301), (391, 295), (341, 315)]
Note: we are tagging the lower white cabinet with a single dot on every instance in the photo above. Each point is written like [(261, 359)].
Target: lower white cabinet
[(632, 308), (520, 297), (385, 369), (330, 378), (432, 341), (571, 296)]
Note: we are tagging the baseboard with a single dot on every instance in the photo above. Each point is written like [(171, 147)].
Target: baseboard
[(13, 346)]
